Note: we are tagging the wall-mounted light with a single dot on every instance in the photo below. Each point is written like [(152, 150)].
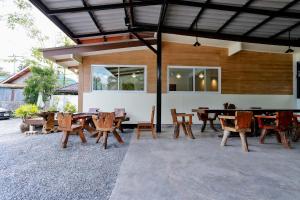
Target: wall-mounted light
[(133, 75), (201, 76), (178, 76), (76, 71)]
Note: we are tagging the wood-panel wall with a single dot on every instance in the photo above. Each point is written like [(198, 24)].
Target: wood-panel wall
[(246, 72)]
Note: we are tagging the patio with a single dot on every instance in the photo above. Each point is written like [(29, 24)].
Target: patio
[(35, 167)]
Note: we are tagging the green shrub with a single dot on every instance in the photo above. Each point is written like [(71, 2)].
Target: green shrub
[(70, 108), (26, 110)]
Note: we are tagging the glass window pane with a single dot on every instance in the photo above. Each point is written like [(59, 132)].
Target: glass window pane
[(132, 78), (200, 80), (180, 79), (212, 80), (105, 78)]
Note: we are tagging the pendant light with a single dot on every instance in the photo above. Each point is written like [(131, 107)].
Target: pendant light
[(289, 50), (197, 43)]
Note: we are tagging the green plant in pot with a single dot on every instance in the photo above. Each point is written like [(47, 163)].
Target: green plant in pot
[(70, 108), (26, 111)]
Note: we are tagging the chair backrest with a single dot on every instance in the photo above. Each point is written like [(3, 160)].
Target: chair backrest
[(93, 110), (202, 115), (243, 120), (64, 121), (104, 121), (50, 120), (284, 120), (119, 112), (173, 113), (152, 115)]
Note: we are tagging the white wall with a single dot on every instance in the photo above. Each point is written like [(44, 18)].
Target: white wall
[(63, 99), (138, 104)]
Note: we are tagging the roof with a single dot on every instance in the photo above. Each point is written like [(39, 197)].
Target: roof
[(16, 76), (69, 89), (255, 21)]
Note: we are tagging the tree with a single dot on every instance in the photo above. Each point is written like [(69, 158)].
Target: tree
[(42, 80)]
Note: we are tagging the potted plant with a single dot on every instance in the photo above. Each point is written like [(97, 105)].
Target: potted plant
[(70, 108), (26, 111)]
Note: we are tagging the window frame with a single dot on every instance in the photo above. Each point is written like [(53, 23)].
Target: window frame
[(119, 66), (194, 80)]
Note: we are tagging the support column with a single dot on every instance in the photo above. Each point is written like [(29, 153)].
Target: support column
[(158, 84)]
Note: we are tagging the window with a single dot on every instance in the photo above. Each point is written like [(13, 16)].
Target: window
[(202, 79), (123, 78)]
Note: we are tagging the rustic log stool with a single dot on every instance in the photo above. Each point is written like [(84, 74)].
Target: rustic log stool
[(65, 125), (105, 124), (242, 124)]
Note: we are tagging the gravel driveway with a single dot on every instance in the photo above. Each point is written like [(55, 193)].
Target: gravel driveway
[(36, 167)]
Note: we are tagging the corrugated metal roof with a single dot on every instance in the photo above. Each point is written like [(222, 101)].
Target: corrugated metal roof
[(243, 23), (110, 16), (212, 20), (180, 16), (111, 20), (147, 14)]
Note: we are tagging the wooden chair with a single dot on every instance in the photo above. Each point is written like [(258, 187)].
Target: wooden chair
[(296, 128), (121, 114), (65, 125), (105, 124), (281, 123), (186, 125), (147, 125), (242, 124), (49, 123), (202, 116)]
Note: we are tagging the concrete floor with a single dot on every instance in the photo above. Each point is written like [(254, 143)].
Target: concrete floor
[(185, 169)]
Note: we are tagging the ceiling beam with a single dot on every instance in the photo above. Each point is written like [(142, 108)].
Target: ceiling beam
[(221, 36), (92, 15), (54, 19), (236, 8), (233, 16), (105, 7), (276, 14), (145, 42), (162, 15), (198, 16), (84, 49), (285, 30)]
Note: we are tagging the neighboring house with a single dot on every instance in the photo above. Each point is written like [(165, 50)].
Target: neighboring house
[(66, 94), (11, 89)]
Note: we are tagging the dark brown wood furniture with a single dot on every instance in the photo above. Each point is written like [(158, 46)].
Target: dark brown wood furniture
[(242, 124), (204, 117), (255, 112), (147, 125), (65, 124), (296, 128), (105, 124), (85, 119), (49, 122), (121, 114), (186, 125), (281, 123)]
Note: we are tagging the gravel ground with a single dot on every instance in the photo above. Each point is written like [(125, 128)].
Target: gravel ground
[(36, 167)]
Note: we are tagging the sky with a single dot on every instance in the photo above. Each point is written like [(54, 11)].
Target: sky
[(16, 42)]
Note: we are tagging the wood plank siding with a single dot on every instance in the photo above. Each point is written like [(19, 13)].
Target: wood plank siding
[(246, 72)]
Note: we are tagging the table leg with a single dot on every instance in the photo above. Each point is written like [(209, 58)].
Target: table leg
[(118, 137), (203, 125), (65, 139)]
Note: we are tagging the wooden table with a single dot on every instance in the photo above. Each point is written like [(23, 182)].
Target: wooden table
[(86, 121), (255, 112)]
